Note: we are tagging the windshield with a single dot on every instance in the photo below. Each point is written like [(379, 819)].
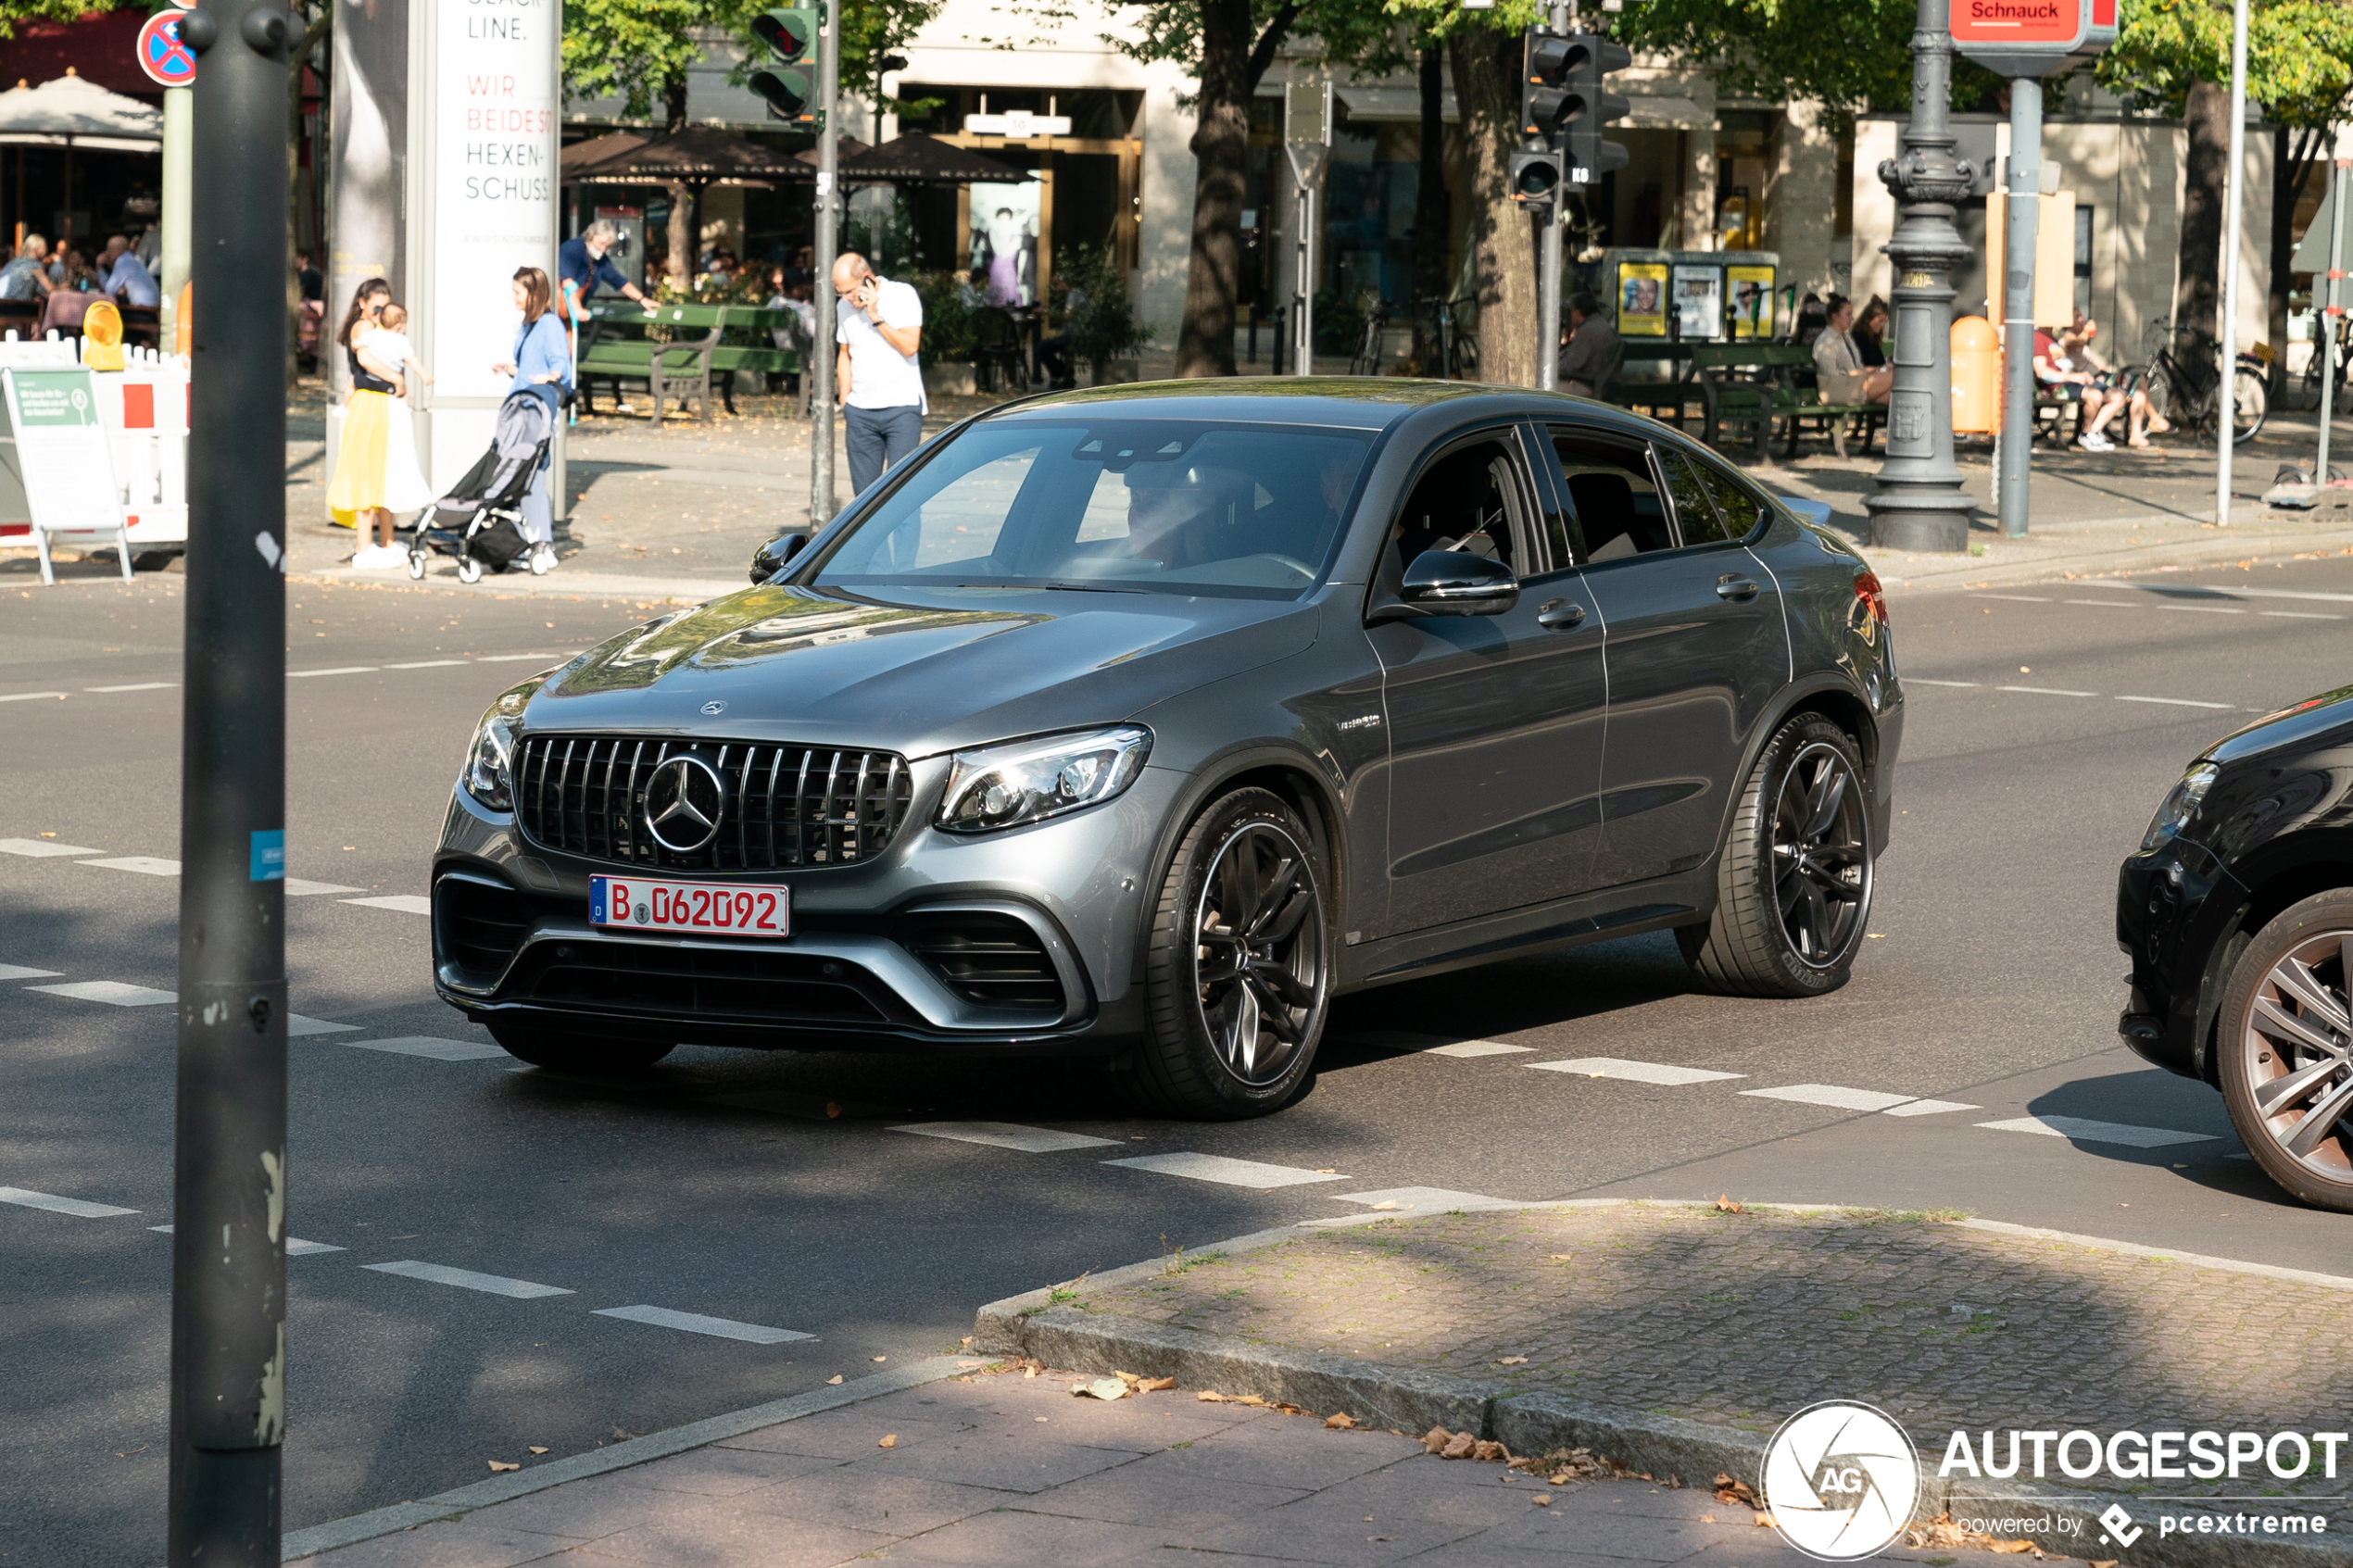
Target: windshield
[(1132, 506)]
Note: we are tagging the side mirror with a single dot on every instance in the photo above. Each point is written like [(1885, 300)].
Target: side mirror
[(1456, 583), (773, 556)]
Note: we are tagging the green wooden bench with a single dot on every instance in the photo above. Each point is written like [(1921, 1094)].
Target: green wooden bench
[(617, 346), (1753, 385), (1668, 395)]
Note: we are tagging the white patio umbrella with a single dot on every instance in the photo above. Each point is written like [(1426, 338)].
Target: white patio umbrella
[(72, 112)]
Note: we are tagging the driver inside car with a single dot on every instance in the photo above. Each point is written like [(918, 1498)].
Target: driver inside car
[(1174, 510)]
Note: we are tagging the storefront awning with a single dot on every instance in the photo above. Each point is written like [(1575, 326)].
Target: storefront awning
[(1667, 113), (1392, 103)]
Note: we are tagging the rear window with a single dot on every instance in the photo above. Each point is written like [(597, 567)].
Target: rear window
[(1131, 506)]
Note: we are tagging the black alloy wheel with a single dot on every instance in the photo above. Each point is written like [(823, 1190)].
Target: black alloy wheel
[(1240, 964), (1793, 885), (2285, 1035), (562, 1051)]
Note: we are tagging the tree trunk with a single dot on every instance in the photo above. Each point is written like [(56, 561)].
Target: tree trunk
[(2196, 285), (1487, 67), (681, 230), (2293, 156), (1221, 148), (1433, 214)]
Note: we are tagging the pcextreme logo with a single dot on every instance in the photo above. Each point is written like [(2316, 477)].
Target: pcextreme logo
[(1841, 1480)]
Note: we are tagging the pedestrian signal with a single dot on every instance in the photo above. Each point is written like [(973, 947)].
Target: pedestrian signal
[(790, 85)]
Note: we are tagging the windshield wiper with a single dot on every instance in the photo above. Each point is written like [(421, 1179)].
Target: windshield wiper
[(1057, 587)]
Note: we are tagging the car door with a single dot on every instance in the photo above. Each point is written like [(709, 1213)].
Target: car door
[(1696, 646), (1495, 721)]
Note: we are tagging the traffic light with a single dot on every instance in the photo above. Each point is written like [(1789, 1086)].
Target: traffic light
[(789, 85), (1544, 93), (1536, 176), (1588, 105)]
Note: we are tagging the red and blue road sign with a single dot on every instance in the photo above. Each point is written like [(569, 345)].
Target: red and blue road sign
[(162, 54)]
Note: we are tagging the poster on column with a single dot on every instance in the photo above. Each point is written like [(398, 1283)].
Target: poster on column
[(493, 184)]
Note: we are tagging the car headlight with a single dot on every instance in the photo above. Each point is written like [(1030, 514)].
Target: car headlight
[(2181, 804), (1028, 780), (488, 773)]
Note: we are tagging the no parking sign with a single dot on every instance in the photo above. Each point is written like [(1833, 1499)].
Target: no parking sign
[(163, 55)]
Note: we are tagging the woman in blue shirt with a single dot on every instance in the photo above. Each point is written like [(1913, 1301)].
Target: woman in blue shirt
[(541, 366)]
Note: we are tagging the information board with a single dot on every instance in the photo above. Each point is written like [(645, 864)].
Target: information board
[(65, 457), (2032, 37)]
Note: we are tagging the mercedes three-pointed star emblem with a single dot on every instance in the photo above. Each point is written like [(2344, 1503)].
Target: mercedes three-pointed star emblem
[(683, 803)]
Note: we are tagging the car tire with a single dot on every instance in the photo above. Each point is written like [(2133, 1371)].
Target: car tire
[(1794, 882), (1235, 1009), (2282, 1035), (562, 1051)]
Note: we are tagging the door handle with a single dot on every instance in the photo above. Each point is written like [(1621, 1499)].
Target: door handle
[(1733, 586), (1559, 615)]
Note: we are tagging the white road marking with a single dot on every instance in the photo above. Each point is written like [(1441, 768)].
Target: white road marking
[(1924, 680), (1830, 1095), (136, 686), (2298, 615), (77, 1208), (433, 1049), (695, 1323), (110, 991), (18, 971), (146, 865), (1005, 1134), (29, 696), (2247, 593), (401, 903), (40, 848), (338, 670), (2174, 701), (1477, 1047), (490, 1285), (1425, 1200), (2015, 598), (2098, 1132), (1928, 1108), (1637, 1071), (516, 658), (2201, 610), (2105, 604), (2046, 691), (1218, 1168), (297, 889), (427, 664), (297, 1026), (296, 1245)]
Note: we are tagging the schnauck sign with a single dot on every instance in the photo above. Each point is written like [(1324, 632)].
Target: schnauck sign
[(2032, 37)]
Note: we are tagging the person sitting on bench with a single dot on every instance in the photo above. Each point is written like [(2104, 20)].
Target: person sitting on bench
[(1838, 364)]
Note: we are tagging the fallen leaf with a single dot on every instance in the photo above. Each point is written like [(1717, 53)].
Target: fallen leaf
[(1490, 1453), (538, 1450), (888, 1440), (1101, 1388), (1435, 1439), (1708, 1519), (2010, 1547), (1764, 1522), (1210, 1397), (1386, 1203), (1030, 1371), (1727, 1205), (834, 1380), (1460, 1446), (1155, 1384), (1513, 1361), (1563, 1257), (1543, 1499), (965, 1340), (500, 1464), (1248, 1399), (1343, 1422), (878, 1357)]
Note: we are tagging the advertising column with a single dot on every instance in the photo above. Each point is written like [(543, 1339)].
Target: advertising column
[(371, 133), (486, 189)]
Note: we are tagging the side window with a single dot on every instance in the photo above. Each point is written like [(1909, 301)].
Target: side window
[(1695, 518), (1618, 508), (1469, 500), (1736, 511)]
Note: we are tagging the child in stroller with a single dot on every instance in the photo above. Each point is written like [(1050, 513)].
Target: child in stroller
[(479, 521)]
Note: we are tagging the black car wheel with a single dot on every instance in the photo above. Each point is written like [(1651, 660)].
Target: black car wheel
[(565, 1052), (1239, 972), (2285, 1034), (1793, 885)]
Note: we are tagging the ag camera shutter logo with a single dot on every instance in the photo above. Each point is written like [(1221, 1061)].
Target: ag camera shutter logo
[(1841, 1480)]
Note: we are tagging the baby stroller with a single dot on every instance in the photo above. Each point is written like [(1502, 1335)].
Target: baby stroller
[(480, 521)]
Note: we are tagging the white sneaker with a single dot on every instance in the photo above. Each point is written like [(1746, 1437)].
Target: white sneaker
[(2092, 441), (376, 558)]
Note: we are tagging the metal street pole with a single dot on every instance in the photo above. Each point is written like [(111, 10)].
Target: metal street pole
[(1548, 287), (1920, 505), (177, 171), (2326, 346), (821, 402), (229, 1197), (2016, 440), (2226, 394)]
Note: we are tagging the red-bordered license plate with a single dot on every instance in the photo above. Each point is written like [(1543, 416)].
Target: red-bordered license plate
[(727, 908)]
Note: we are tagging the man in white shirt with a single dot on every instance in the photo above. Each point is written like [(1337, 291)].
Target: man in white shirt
[(876, 372)]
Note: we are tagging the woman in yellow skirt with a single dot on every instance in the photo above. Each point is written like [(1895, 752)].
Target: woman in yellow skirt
[(356, 493)]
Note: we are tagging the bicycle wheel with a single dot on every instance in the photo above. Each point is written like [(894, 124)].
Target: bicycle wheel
[(2157, 384), (2250, 400)]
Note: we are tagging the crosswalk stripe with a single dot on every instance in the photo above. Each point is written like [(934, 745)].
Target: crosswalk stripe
[(338, 670), (399, 903), (2098, 1132), (1425, 1200), (1006, 1135), (1477, 1047), (40, 848), (297, 1026), (296, 1245), (1830, 1095), (18, 971), (136, 686), (146, 865), (297, 889), (81, 1208), (467, 1279), (29, 696), (1928, 1108), (695, 1323), (1636, 1071), (1220, 1168), (112, 992), (435, 1049)]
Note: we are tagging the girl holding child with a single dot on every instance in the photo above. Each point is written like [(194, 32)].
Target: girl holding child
[(376, 463)]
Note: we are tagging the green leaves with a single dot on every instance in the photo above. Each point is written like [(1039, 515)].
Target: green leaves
[(2299, 56), (629, 49)]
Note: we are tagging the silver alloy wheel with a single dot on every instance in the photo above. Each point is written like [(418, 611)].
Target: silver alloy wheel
[(2298, 1045), (1258, 952), (1821, 854)]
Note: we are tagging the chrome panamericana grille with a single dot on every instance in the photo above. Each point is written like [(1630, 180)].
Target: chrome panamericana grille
[(785, 805)]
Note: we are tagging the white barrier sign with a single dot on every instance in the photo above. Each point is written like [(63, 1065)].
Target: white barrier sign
[(64, 456), (494, 182)]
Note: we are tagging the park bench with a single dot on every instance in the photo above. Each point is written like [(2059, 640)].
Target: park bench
[(617, 345), (1753, 385), (1667, 394)]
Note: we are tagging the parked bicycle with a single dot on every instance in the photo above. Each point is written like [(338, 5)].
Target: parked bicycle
[(1457, 343), (1366, 359), (2184, 380)]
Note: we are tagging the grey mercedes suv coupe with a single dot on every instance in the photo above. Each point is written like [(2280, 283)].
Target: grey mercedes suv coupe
[(1141, 722)]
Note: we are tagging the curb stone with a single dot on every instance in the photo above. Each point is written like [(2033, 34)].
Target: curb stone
[(2063, 1523)]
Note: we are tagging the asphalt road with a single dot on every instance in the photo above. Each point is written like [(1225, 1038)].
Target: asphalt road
[(771, 1192)]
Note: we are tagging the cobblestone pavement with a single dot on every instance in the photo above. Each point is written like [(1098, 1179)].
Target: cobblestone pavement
[(1011, 1471), (1741, 1319)]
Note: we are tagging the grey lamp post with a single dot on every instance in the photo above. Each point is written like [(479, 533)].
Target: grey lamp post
[(1921, 504)]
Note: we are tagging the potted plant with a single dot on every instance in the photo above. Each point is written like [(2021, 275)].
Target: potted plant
[(1101, 326)]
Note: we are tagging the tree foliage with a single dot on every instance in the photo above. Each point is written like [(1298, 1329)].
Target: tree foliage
[(630, 49), (2299, 56)]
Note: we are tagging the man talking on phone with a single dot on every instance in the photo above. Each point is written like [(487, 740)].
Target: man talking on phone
[(876, 372)]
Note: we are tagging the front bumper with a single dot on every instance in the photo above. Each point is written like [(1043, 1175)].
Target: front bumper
[(1015, 941), (2174, 909)]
